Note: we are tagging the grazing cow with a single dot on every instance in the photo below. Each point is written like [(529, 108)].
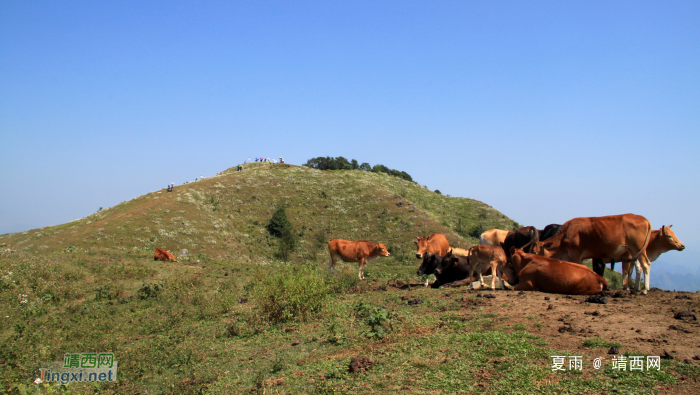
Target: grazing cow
[(435, 244), (613, 237), (162, 255), (480, 257), (538, 273), (548, 231), (523, 238), (493, 237), (361, 251), (660, 241)]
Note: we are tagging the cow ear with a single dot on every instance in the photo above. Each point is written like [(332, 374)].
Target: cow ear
[(512, 250), (415, 242)]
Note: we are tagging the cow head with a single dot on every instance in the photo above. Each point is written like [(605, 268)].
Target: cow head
[(447, 262), (512, 277), (669, 239), (422, 244), (430, 262), (381, 249)]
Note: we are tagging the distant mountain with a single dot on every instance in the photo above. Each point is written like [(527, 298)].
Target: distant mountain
[(674, 281)]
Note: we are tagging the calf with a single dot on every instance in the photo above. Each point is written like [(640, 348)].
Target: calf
[(361, 251), (538, 273), (162, 255), (479, 258)]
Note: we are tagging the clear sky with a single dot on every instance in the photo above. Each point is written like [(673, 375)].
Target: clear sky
[(545, 110)]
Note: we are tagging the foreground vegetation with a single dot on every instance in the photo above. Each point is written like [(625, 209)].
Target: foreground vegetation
[(233, 316)]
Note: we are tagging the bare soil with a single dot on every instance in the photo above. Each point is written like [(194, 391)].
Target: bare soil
[(660, 323)]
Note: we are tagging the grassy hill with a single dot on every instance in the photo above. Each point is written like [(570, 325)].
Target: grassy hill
[(225, 216), (233, 318)]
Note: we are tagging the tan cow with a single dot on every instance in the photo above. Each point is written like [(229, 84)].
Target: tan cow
[(493, 237), (660, 241), (436, 243), (538, 273), (458, 251), (361, 251), (162, 255), (611, 237), (484, 256)]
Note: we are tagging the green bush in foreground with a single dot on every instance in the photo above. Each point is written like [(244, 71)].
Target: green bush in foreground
[(290, 292)]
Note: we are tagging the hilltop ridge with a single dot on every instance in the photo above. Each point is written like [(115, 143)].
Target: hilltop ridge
[(224, 216)]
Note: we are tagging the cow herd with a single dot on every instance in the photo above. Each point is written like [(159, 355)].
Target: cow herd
[(547, 260)]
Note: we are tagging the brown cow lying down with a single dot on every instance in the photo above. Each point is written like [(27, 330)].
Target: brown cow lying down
[(361, 251), (162, 255), (537, 273)]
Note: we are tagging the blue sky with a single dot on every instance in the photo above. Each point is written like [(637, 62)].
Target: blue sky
[(545, 110)]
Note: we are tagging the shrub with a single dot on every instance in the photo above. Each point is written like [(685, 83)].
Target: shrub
[(280, 227), (149, 290), (289, 292)]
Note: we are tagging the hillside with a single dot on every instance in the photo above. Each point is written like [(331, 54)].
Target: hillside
[(231, 317), (225, 216)]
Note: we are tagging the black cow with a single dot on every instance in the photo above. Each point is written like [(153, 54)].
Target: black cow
[(548, 231), (455, 272), (522, 238)]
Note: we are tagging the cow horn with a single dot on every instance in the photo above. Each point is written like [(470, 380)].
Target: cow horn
[(670, 226)]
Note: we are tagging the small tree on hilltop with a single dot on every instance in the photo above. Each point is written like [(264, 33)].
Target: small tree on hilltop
[(280, 227)]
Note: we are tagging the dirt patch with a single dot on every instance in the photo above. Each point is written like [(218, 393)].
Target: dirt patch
[(645, 324)]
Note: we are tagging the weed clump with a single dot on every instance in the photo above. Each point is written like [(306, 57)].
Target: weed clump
[(290, 292)]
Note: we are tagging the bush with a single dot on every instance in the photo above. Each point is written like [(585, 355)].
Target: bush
[(280, 227), (289, 292)]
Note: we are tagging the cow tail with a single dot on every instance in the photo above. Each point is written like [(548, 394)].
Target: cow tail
[(643, 251)]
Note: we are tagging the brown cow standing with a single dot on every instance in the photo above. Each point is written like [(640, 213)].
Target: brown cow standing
[(493, 237), (436, 243), (660, 241), (162, 255), (538, 273), (611, 237), (361, 251)]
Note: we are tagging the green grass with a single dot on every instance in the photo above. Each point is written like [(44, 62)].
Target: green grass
[(227, 318)]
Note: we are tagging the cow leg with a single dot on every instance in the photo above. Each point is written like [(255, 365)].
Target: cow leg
[(638, 277), (626, 275), (458, 283), (362, 269), (331, 264), (647, 280), (494, 273), (499, 273)]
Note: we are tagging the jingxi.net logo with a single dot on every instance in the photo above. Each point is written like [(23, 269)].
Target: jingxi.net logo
[(83, 367)]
